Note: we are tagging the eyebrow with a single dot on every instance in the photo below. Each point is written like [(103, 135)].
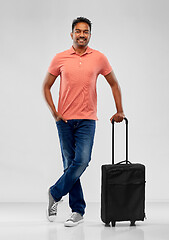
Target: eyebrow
[(82, 30)]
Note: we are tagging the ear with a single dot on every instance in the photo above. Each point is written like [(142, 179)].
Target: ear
[(71, 34)]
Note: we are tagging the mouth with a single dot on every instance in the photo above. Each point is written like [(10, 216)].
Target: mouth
[(81, 40)]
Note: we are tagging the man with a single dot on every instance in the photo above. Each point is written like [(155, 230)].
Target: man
[(75, 117)]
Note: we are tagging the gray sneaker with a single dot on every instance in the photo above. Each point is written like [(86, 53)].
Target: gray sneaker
[(52, 208), (74, 220)]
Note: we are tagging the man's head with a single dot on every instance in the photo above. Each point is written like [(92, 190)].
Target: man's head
[(81, 31), (81, 19)]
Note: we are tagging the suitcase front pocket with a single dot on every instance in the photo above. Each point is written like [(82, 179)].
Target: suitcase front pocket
[(126, 201)]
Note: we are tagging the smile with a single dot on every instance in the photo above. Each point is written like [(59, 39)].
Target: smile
[(81, 40)]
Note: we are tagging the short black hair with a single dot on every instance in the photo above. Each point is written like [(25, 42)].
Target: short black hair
[(81, 19)]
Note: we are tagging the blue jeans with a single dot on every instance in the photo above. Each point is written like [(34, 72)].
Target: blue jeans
[(76, 142)]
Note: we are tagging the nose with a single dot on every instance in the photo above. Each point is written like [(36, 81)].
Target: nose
[(81, 34)]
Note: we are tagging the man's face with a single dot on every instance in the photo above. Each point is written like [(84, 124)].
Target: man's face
[(81, 34)]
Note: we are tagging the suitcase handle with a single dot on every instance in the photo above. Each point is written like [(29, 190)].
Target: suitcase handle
[(123, 162), (126, 161)]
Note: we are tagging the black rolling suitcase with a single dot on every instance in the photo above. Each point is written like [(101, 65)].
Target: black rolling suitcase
[(122, 189)]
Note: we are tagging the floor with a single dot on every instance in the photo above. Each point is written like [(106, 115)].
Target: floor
[(28, 221)]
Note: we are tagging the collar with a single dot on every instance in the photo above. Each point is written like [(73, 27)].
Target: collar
[(88, 50)]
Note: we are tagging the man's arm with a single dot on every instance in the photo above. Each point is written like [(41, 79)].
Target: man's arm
[(48, 82), (111, 79)]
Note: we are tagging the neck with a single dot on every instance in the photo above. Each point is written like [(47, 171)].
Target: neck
[(79, 50)]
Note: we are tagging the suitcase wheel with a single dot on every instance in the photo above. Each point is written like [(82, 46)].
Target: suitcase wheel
[(113, 224), (132, 224)]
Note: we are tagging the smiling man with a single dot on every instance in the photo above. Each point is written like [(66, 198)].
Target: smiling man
[(76, 114)]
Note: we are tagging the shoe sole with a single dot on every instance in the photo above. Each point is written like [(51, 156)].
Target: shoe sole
[(50, 218), (72, 224)]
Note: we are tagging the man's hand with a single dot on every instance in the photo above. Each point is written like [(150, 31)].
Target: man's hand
[(59, 117), (118, 117)]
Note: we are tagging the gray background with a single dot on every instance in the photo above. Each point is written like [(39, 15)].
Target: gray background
[(134, 35)]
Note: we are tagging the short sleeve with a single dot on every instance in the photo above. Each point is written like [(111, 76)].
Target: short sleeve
[(105, 66), (54, 67)]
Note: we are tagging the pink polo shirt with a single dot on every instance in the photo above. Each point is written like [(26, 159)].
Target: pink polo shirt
[(78, 77)]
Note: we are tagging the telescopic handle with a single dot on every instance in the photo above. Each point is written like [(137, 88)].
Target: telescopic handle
[(126, 121)]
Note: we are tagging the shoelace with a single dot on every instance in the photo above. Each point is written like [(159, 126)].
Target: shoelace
[(72, 217), (73, 214), (53, 209)]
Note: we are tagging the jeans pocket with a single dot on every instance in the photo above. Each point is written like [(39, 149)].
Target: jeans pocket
[(60, 122), (57, 122)]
